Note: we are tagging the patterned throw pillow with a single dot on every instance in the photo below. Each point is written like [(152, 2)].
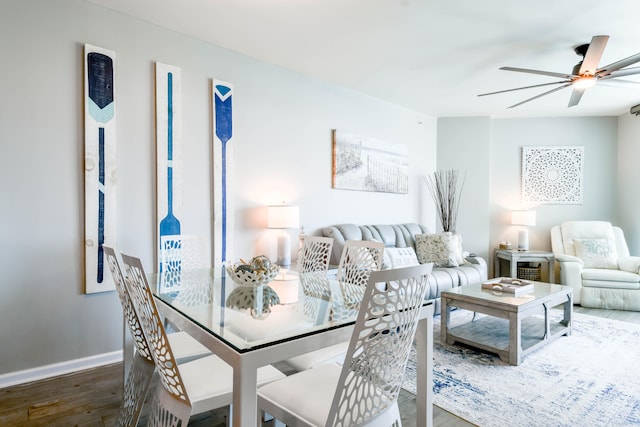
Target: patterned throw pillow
[(401, 257), (596, 253), (444, 250)]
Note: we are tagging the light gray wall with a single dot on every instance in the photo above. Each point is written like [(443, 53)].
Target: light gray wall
[(465, 144), (282, 142), (628, 178)]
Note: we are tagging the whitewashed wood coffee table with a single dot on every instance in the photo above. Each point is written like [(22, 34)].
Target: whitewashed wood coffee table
[(510, 329)]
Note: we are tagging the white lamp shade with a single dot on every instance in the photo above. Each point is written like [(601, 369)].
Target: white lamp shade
[(283, 216), (526, 218)]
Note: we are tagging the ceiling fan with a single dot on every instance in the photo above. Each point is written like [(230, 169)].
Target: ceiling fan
[(585, 74)]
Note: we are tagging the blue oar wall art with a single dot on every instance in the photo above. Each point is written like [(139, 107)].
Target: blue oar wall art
[(169, 152), (222, 182), (99, 163)]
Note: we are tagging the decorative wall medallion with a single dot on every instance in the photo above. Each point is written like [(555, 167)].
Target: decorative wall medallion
[(552, 175)]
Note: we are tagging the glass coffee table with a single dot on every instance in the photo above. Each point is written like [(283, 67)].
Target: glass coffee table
[(514, 325)]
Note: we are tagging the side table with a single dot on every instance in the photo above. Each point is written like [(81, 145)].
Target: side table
[(515, 256)]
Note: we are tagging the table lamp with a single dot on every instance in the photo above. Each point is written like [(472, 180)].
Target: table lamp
[(525, 219), (283, 217)]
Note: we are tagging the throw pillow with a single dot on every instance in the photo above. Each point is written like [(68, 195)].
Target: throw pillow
[(596, 253), (401, 257), (441, 249)]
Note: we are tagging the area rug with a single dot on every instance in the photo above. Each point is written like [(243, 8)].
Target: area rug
[(589, 378)]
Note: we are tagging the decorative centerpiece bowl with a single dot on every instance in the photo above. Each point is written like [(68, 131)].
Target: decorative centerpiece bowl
[(259, 271)]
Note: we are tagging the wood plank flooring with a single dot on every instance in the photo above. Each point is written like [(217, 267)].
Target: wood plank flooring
[(92, 397)]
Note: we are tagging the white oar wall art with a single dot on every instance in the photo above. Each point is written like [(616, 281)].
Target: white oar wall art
[(99, 164), (169, 152), (222, 182)]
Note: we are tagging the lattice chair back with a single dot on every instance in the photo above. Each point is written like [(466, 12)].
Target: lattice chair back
[(379, 349), (153, 328), (314, 263), (316, 252), (359, 258), (178, 253), (127, 307), (165, 411), (135, 391)]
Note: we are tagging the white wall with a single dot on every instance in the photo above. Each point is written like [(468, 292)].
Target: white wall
[(282, 144)]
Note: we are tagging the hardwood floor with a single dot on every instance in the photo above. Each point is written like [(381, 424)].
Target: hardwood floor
[(92, 397)]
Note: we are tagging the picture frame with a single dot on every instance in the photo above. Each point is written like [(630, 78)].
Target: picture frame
[(364, 163)]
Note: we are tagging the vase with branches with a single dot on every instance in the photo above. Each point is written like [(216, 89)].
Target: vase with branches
[(445, 188)]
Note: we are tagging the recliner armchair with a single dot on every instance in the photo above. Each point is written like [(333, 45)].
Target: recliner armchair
[(593, 258)]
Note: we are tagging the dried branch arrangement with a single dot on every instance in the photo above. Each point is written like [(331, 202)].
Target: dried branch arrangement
[(446, 191)]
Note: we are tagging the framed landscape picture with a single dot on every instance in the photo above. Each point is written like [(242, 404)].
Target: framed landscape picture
[(369, 164)]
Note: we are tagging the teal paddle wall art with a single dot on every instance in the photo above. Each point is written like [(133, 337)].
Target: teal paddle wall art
[(169, 152), (222, 178), (99, 164)]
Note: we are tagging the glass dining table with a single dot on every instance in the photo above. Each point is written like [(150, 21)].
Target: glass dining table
[(253, 326)]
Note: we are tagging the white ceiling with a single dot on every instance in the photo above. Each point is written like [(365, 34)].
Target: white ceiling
[(433, 56)]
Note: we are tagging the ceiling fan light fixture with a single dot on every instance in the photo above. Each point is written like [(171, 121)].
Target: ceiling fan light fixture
[(584, 82)]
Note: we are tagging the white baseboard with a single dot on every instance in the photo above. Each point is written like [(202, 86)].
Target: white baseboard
[(48, 371)]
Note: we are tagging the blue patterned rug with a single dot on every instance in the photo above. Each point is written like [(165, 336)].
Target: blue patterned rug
[(591, 378)]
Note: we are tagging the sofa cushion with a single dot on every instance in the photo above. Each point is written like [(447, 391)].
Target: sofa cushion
[(444, 250), (392, 235), (600, 284), (442, 279), (596, 253), (606, 275), (470, 273)]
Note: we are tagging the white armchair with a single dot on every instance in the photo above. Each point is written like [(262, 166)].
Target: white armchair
[(593, 258)]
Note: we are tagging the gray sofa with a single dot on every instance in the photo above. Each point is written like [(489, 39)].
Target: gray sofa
[(403, 236)]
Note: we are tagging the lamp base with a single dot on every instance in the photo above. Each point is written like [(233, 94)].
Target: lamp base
[(523, 240), (284, 250)]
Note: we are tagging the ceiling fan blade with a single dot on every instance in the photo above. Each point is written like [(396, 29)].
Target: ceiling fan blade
[(621, 73), (575, 96), (619, 83), (604, 71), (544, 73), (592, 56), (541, 95), (524, 87)]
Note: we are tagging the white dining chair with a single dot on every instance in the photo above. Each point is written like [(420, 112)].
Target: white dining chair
[(165, 411), (135, 391), (185, 347), (364, 390), (178, 253), (204, 384), (315, 254), (313, 267), (359, 258)]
